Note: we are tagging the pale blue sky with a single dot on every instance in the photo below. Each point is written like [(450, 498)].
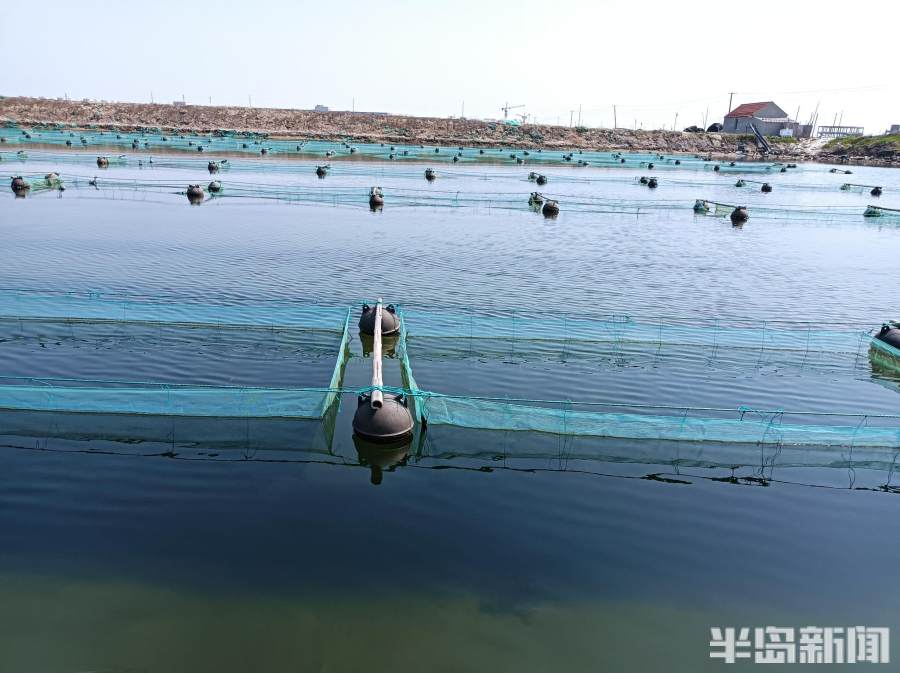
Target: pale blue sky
[(653, 58)]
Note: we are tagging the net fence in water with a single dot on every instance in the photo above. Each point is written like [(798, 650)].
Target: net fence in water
[(262, 144), (45, 316), (635, 421), (626, 419), (115, 188)]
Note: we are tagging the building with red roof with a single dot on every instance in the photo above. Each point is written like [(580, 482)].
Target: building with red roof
[(768, 118)]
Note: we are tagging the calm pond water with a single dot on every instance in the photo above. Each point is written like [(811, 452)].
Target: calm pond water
[(175, 544)]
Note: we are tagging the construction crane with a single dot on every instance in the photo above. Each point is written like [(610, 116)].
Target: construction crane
[(506, 108)]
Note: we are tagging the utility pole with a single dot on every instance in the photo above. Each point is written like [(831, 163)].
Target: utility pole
[(615, 121), (730, 97), (249, 100), (705, 115), (675, 125), (579, 114), (571, 114), (354, 104), (151, 97), (463, 113), (210, 100)]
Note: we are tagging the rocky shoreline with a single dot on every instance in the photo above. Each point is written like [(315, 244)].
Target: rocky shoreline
[(378, 128)]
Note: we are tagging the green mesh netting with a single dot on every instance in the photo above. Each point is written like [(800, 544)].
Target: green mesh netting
[(247, 143), (885, 354), (635, 421), (172, 399), (573, 418)]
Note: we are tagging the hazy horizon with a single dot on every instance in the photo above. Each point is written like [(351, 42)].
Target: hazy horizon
[(467, 58)]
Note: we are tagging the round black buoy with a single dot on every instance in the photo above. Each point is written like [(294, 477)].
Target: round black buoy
[(652, 183), (550, 209), (541, 179), (102, 162), (430, 174), (390, 321), (376, 198), (380, 416), (716, 168), (480, 151), (890, 334), (678, 162), (19, 186), (389, 422), (212, 167), (876, 191), (195, 194), (766, 188), (214, 187), (739, 215), (622, 160), (68, 143)]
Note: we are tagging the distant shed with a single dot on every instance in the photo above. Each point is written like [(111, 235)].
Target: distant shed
[(767, 117)]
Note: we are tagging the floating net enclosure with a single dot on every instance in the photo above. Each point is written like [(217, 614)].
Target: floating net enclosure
[(631, 416), (560, 375), (879, 211), (111, 341)]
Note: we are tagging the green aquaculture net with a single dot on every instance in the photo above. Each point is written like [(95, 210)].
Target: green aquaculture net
[(525, 371), (51, 319), (557, 339), (147, 140)]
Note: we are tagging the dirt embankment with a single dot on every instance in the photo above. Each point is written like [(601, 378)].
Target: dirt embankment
[(882, 149), (369, 127)]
